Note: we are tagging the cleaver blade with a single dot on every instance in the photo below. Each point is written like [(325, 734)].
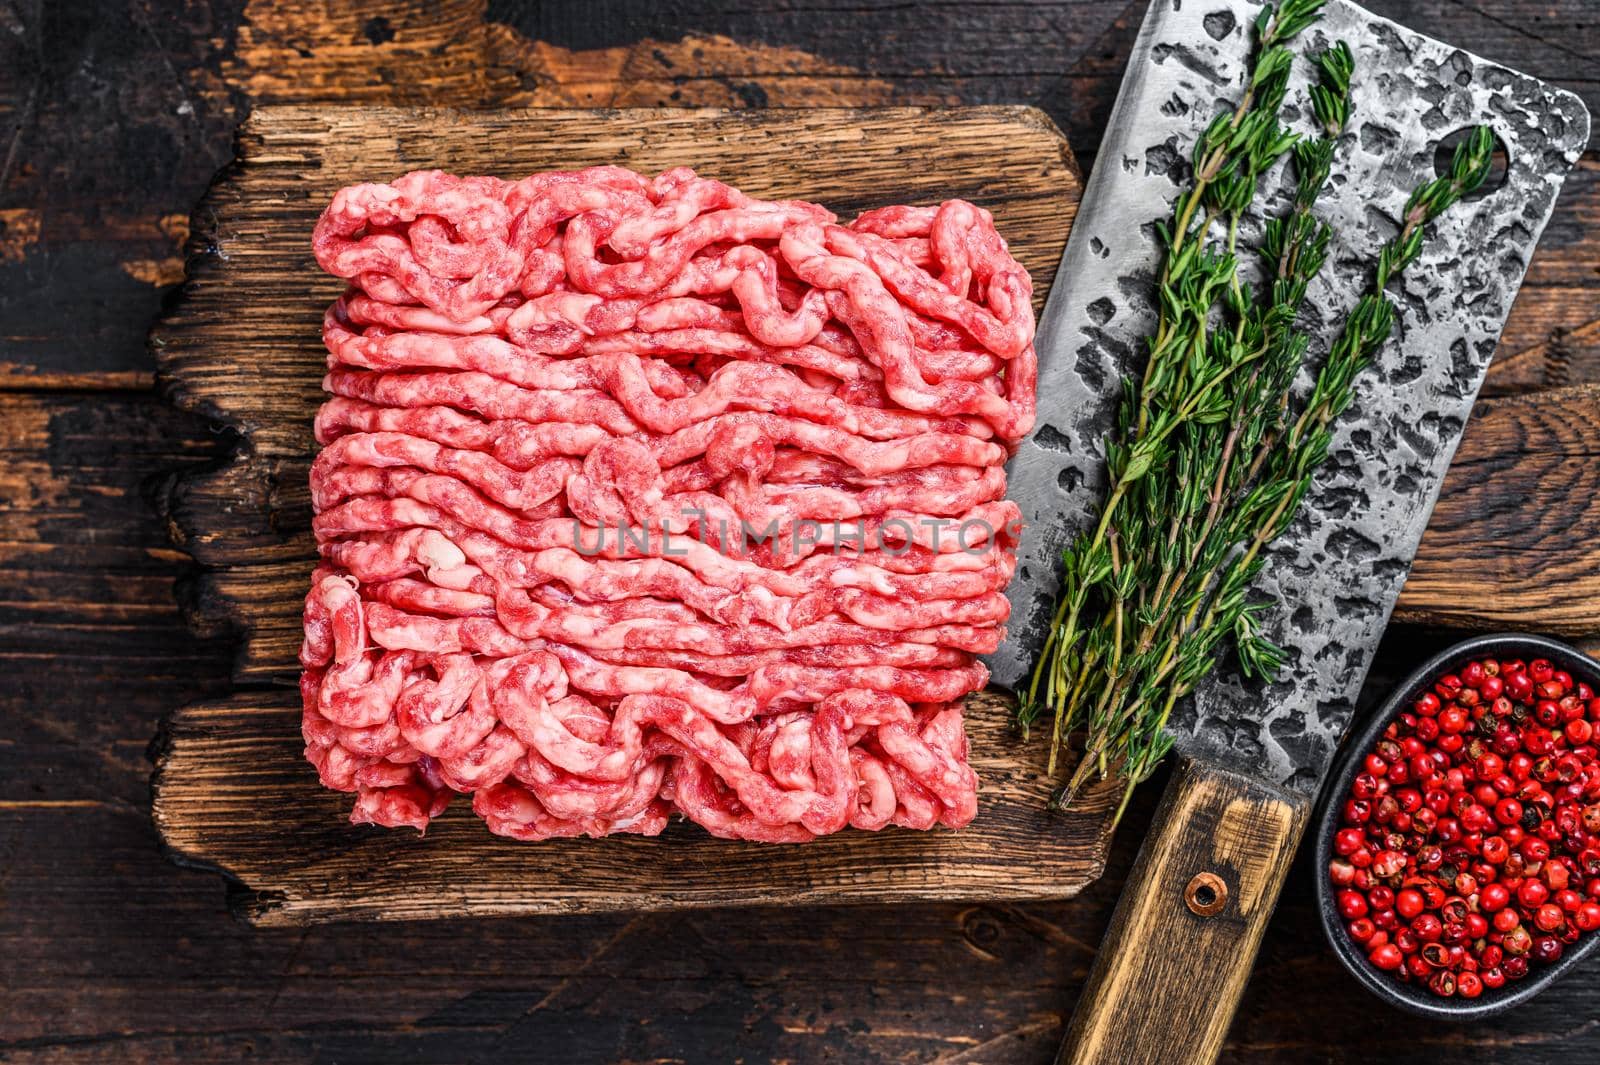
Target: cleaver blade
[(1339, 568)]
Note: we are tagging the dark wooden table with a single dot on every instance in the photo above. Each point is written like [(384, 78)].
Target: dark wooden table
[(113, 117)]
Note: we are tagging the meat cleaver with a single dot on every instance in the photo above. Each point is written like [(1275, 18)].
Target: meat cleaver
[(1251, 757)]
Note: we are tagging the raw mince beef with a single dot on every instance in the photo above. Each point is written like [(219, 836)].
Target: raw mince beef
[(641, 497)]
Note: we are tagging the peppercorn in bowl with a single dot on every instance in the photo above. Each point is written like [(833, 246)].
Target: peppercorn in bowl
[(1458, 842)]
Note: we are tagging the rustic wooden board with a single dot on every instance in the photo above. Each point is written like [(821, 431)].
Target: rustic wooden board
[(234, 793), (241, 343)]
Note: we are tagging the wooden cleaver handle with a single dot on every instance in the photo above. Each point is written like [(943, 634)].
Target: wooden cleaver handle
[(1175, 960)]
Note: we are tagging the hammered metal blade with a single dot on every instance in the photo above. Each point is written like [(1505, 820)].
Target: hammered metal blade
[(1337, 571)]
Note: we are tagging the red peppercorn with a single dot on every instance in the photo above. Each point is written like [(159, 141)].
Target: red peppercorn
[(1532, 894), (1427, 928), (1388, 863), (1435, 955), (1506, 811), (1493, 897), (1352, 904), (1468, 985), (1387, 957), (1477, 818), (1493, 978), (1588, 917), (1547, 949), (1549, 917)]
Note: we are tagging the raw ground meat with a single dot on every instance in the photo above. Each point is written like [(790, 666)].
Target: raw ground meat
[(554, 405)]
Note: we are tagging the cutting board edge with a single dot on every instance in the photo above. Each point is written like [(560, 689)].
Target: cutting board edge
[(259, 899), (211, 611)]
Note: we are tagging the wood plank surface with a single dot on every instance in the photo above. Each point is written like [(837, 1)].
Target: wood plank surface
[(113, 119), (242, 344)]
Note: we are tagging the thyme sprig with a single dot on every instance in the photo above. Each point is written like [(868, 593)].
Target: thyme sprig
[(1212, 452)]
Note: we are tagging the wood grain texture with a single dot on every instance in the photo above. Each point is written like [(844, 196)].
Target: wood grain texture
[(242, 344), (108, 953), (1160, 959), (1515, 540), (233, 793)]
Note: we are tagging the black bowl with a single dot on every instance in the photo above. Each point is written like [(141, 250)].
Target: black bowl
[(1412, 997)]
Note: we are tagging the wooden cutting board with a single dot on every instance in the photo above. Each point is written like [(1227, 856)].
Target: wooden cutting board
[(241, 342)]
